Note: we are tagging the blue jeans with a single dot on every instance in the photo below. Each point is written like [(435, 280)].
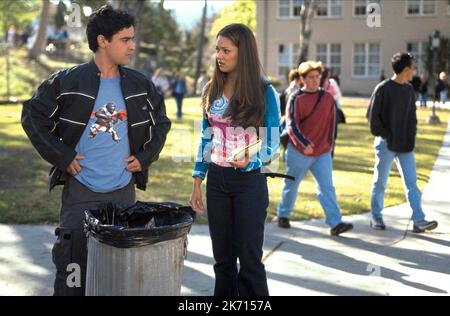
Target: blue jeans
[(237, 209), (423, 99), (406, 165), (179, 100), (443, 96), (297, 165)]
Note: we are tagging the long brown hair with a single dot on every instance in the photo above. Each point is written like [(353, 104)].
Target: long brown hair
[(247, 106)]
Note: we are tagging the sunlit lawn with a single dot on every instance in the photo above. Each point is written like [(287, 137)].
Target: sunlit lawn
[(24, 196), (25, 74)]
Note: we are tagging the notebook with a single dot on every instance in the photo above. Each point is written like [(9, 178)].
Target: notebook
[(239, 153)]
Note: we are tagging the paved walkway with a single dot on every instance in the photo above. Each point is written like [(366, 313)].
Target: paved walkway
[(303, 260)]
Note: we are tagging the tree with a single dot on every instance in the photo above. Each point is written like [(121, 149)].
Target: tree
[(161, 37), (18, 13), (238, 12), (42, 31), (93, 4), (200, 46), (306, 16), (189, 51), (61, 10), (135, 7)]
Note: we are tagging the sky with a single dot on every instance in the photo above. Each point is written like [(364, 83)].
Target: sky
[(188, 13)]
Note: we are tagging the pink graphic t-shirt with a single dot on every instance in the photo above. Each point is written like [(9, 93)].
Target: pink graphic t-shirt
[(226, 137)]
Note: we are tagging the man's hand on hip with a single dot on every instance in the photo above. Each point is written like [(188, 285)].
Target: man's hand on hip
[(74, 168), (133, 164)]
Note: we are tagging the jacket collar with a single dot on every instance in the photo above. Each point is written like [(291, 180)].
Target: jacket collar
[(93, 69)]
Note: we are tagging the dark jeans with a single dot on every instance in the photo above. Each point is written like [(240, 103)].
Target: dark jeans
[(179, 100), (71, 244), (237, 204)]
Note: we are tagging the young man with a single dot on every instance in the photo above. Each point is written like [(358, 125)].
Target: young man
[(393, 122), (100, 126), (178, 91), (310, 121)]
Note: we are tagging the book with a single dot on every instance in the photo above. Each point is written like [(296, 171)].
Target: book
[(238, 154)]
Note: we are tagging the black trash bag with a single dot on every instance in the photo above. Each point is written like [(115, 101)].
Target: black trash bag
[(141, 224)]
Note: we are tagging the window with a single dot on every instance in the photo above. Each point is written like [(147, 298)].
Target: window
[(420, 7), (289, 8), (418, 49), (359, 60), (335, 7), (360, 7), (428, 7), (287, 58), (322, 53), (330, 55), (329, 8), (297, 7), (322, 8), (366, 60), (374, 60)]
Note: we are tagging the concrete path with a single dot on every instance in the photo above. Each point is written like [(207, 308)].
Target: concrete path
[(303, 260)]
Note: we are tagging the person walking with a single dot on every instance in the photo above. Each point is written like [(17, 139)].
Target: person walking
[(178, 92), (393, 122), (160, 81), (310, 121)]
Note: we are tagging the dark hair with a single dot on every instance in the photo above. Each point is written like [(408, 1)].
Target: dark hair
[(247, 105), (400, 61), (293, 75), (106, 21), (324, 76)]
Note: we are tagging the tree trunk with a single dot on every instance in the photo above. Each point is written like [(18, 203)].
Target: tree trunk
[(306, 16), (138, 8), (123, 5), (8, 68), (200, 47), (38, 45), (135, 8)]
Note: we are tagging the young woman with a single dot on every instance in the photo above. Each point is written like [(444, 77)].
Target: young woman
[(239, 107)]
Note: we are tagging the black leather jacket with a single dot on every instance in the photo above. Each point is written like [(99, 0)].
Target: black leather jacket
[(57, 114)]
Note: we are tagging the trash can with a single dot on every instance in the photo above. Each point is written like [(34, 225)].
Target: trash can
[(137, 250)]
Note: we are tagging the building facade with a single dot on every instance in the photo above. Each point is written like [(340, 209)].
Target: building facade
[(358, 47)]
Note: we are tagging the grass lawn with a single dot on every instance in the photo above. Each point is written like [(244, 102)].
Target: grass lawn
[(24, 196), (26, 74)]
